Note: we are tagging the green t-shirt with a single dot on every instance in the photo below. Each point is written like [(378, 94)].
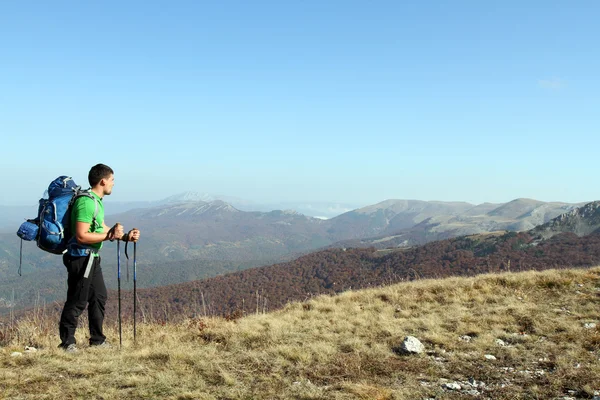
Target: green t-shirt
[(83, 211)]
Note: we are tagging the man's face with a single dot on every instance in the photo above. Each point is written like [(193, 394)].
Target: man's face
[(108, 184)]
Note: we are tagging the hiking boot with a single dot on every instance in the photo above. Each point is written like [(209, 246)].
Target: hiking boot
[(72, 348)]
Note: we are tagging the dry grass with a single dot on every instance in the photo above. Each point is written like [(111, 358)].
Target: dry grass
[(342, 347)]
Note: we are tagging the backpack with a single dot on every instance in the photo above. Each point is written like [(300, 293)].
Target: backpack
[(51, 229)]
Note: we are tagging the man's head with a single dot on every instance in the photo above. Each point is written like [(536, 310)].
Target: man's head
[(102, 177)]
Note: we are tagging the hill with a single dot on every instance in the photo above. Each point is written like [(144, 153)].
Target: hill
[(530, 335)]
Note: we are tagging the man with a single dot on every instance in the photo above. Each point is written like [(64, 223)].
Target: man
[(85, 281)]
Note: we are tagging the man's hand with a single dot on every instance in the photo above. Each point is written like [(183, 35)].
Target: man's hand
[(116, 232), (134, 235)]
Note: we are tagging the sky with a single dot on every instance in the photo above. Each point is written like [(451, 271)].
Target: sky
[(341, 101)]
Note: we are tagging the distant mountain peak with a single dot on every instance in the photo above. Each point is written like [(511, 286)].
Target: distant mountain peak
[(189, 196), (193, 208)]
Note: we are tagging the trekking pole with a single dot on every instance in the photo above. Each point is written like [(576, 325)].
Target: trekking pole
[(119, 288), (134, 287)]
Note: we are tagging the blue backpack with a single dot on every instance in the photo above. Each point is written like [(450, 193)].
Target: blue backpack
[(51, 229)]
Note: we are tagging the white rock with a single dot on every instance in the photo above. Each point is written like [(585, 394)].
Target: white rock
[(412, 345), (466, 338), (590, 325), (452, 386), (16, 354), (29, 349), (490, 357), (500, 342), (476, 384)]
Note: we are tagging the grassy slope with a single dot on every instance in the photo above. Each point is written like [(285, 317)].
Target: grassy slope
[(341, 347)]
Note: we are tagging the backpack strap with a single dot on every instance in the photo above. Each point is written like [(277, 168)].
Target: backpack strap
[(21, 259), (84, 250), (95, 207), (87, 193)]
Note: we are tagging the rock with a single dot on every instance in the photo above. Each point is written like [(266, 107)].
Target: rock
[(30, 349), (500, 342), (411, 345), (473, 392), (476, 384), (589, 325), (452, 386), (16, 354), (490, 357), (466, 338)]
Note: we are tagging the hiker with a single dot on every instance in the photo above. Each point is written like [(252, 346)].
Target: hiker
[(82, 260)]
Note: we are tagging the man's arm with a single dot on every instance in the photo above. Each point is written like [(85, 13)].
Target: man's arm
[(84, 237)]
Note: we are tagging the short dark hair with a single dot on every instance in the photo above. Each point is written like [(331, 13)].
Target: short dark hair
[(99, 172)]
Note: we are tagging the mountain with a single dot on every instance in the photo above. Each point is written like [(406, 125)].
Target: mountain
[(390, 216), (217, 230), (402, 223), (580, 221), (323, 210)]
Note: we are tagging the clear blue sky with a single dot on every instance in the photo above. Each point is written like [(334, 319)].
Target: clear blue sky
[(356, 101)]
